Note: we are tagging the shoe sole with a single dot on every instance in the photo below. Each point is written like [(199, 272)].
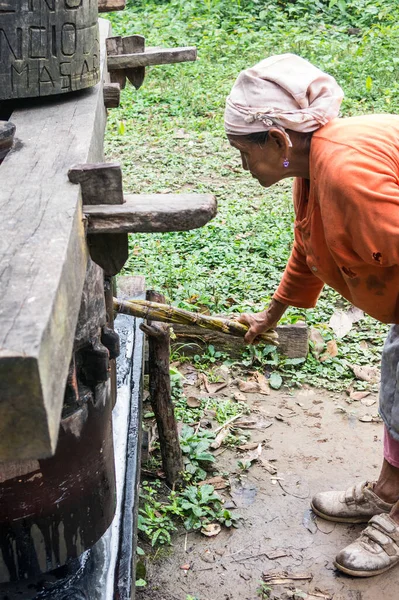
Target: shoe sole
[(352, 520), (363, 573)]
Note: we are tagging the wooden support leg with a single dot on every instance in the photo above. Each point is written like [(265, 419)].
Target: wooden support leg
[(160, 395)]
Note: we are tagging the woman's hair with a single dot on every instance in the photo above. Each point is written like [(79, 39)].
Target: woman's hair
[(261, 137)]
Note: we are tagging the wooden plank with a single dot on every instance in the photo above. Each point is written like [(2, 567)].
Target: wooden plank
[(110, 5), (152, 213), (151, 57), (293, 341), (43, 257)]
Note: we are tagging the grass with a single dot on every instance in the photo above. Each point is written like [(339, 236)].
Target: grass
[(169, 137)]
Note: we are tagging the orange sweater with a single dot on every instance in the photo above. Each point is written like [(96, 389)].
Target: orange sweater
[(347, 218)]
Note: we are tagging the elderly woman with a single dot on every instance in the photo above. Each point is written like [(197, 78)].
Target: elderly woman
[(281, 116)]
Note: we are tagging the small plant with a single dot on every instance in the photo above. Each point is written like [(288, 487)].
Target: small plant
[(236, 438), (155, 525), (183, 413), (263, 591), (226, 409), (209, 357), (244, 465), (152, 519), (195, 447), (201, 505)]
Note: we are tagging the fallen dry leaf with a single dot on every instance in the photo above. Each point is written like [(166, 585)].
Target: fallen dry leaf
[(239, 397), (263, 383), (214, 388), (317, 340), (248, 447), (285, 577), (365, 373), (331, 351), (368, 401), (190, 378), (366, 419), (268, 466), (370, 419), (249, 387), (254, 454), (358, 395), (193, 402), (185, 567), (218, 482), (363, 345), (356, 314), (341, 323), (276, 554), (253, 424), (211, 530), (210, 388), (221, 436)]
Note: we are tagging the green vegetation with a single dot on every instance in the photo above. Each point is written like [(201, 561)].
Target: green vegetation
[(169, 137), (195, 507)]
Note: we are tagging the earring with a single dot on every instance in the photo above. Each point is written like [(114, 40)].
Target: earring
[(286, 163)]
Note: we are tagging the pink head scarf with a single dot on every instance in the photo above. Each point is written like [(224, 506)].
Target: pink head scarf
[(285, 91)]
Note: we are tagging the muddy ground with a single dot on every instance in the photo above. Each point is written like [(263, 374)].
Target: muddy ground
[(314, 446)]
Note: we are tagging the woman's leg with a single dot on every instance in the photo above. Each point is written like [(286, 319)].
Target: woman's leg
[(387, 486)]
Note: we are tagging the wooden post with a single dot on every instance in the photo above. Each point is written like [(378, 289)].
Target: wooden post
[(160, 395)]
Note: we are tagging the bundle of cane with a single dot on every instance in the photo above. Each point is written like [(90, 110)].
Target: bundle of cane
[(154, 311)]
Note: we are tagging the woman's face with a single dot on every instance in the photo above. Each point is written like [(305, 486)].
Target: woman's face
[(264, 162)]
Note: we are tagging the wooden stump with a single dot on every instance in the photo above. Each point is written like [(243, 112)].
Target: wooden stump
[(160, 395)]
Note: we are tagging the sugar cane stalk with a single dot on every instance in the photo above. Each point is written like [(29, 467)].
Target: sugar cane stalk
[(169, 314)]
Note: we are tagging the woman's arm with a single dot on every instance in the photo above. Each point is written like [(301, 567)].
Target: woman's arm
[(299, 287), (261, 322)]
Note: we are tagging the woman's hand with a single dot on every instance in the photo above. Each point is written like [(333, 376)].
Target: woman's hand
[(261, 322)]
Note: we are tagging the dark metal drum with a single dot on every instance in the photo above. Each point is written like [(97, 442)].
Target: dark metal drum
[(52, 510)]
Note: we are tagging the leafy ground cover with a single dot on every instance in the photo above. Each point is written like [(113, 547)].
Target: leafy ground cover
[(169, 137)]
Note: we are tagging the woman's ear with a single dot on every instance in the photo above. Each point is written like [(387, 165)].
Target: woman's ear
[(279, 138)]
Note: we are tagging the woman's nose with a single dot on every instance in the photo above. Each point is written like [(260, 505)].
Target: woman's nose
[(244, 162)]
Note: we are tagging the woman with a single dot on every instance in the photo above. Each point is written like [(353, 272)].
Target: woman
[(282, 117)]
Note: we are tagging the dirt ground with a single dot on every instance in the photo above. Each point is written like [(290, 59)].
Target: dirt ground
[(314, 446)]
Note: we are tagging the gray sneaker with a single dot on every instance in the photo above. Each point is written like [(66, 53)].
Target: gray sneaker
[(374, 552), (356, 505)]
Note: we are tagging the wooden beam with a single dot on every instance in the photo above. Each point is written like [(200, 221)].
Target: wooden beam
[(156, 56), (111, 5), (152, 213), (43, 257)]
